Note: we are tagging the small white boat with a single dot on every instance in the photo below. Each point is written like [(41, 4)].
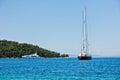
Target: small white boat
[(31, 56)]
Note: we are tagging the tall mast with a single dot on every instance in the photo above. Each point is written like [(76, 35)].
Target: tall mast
[(85, 41)]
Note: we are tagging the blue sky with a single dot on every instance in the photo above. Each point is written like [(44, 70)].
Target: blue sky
[(56, 24)]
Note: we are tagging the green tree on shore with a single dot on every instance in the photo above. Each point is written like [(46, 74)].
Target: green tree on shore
[(14, 49)]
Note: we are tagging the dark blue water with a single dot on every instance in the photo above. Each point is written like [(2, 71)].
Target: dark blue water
[(60, 69)]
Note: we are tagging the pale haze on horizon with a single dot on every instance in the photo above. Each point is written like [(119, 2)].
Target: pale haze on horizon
[(56, 24)]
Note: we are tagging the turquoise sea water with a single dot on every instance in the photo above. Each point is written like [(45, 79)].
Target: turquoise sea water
[(60, 69)]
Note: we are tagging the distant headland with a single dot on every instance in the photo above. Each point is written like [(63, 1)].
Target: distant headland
[(13, 49)]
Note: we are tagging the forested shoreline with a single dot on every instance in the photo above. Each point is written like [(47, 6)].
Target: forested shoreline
[(13, 49)]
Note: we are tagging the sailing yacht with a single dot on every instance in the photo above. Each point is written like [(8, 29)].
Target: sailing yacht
[(84, 55)]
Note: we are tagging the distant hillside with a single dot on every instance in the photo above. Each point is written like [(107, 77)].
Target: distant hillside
[(12, 49)]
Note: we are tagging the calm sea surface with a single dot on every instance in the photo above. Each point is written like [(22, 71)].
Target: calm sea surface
[(60, 69)]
